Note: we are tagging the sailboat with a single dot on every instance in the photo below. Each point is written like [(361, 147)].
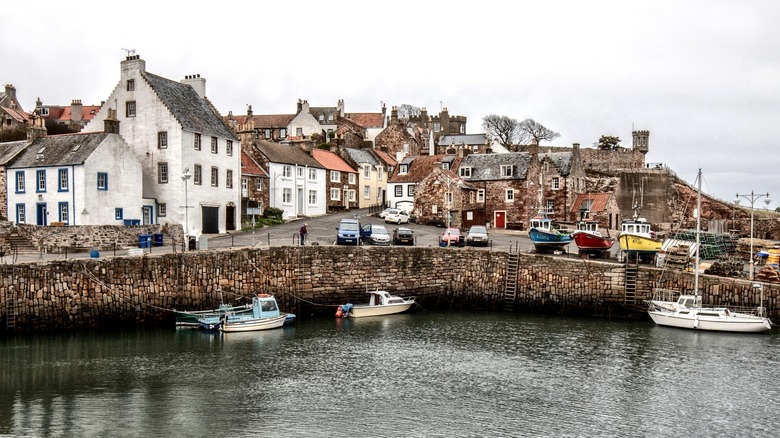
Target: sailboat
[(673, 309)]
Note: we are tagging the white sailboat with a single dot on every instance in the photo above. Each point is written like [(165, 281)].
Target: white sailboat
[(673, 309)]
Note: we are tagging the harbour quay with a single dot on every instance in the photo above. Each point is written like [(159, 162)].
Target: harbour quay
[(313, 280)]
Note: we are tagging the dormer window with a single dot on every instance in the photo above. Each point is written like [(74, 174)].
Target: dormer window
[(322, 117), (506, 170), (403, 169), (445, 166), (465, 172)]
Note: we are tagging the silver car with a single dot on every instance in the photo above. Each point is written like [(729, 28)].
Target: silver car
[(379, 235), (477, 236)]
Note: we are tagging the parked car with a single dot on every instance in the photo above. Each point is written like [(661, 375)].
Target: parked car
[(477, 236), (379, 235), (453, 236), (403, 236), (387, 211), (400, 217), (349, 232)]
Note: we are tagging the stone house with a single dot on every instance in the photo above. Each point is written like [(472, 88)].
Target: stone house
[(271, 127), (474, 143), (296, 180), (411, 172), (599, 207), (175, 132), (443, 198), (77, 179), (341, 182), (74, 116), (13, 119), (254, 188), (438, 126), (372, 175), (398, 139)]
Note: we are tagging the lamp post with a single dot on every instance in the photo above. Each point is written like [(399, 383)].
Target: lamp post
[(752, 198), (186, 177), (448, 198)]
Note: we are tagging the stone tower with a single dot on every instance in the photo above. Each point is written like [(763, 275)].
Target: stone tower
[(641, 141)]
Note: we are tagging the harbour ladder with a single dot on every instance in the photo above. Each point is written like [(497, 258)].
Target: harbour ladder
[(632, 273), (510, 288), (10, 309), (302, 273)]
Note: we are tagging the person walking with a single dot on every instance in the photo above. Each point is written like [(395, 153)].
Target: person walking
[(304, 232)]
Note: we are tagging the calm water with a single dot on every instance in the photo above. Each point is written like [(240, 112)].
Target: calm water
[(422, 374)]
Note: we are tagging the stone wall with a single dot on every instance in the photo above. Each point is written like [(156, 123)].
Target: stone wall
[(132, 291)]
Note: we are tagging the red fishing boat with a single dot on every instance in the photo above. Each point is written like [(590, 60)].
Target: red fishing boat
[(590, 240)]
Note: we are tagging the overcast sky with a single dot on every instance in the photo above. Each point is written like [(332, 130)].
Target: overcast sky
[(702, 76)]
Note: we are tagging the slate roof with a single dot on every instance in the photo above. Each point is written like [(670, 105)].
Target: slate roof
[(467, 139), (286, 154), (486, 167), (59, 150), (562, 160), (419, 167), (331, 161), (9, 150), (250, 167), (362, 156), (194, 113)]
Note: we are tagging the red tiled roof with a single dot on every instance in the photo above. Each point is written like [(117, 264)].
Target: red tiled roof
[(88, 112), (366, 120), (250, 166), (600, 201), (331, 161), (387, 158)]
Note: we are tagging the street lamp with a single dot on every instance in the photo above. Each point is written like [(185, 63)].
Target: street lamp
[(186, 177), (448, 198), (752, 198)]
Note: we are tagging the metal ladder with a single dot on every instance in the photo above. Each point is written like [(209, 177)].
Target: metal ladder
[(510, 288), (10, 309), (632, 273), (302, 273)]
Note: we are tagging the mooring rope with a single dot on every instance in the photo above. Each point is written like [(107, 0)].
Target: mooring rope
[(119, 292), (257, 268)]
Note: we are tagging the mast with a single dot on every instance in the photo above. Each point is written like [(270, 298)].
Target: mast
[(698, 237)]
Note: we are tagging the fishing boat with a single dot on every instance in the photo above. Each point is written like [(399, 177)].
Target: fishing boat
[(637, 238), (265, 315), (673, 309), (191, 318), (545, 236), (589, 239), (380, 303)]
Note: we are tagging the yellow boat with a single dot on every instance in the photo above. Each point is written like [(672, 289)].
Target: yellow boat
[(636, 238)]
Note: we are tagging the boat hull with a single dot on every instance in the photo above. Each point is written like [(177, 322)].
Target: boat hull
[(359, 311), (545, 239), (253, 324), (185, 318), (590, 242), (639, 244), (713, 320)]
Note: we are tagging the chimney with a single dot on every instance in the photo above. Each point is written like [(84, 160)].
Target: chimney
[(132, 67), (76, 111), (340, 107), (300, 107), (197, 83), (424, 117), (384, 114), (305, 107), (10, 92), (37, 128), (111, 124), (394, 115), (249, 110)]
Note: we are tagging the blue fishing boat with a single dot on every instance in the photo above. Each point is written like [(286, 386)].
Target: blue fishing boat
[(264, 315), (545, 236), (191, 318)]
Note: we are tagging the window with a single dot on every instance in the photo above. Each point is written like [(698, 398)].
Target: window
[(62, 212), (506, 170), (283, 133), (449, 198), (259, 184), (330, 116), (214, 176), (312, 174), (229, 179), (379, 173), (445, 166), (267, 133), (287, 172), (197, 142), (162, 209), (162, 173), (550, 206), (367, 171), (510, 195), (436, 127), (299, 132), (62, 178), (162, 140), (118, 214), (465, 172), (20, 182), (406, 148), (335, 176), (21, 217), (556, 183), (40, 181), (366, 192), (322, 117), (244, 186), (312, 197), (410, 190), (130, 109), (481, 195), (299, 172), (335, 194), (131, 85), (462, 129), (403, 169), (229, 148), (352, 178), (351, 196), (102, 181), (214, 145), (399, 191), (287, 196), (197, 176)]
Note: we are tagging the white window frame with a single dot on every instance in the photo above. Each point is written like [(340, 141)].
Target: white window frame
[(555, 183), (481, 196), (287, 196), (509, 195), (506, 170), (335, 194), (312, 197), (465, 172), (335, 176)]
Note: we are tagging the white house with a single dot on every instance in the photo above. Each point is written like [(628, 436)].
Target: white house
[(296, 180), (191, 160), (76, 179)]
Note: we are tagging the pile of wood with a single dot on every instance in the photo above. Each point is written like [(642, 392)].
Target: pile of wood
[(678, 257), (727, 267), (768, 274)]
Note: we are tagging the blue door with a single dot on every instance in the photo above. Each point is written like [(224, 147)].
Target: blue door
[(41, 213)]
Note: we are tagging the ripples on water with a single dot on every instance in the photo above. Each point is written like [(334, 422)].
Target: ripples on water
[(422, 374)]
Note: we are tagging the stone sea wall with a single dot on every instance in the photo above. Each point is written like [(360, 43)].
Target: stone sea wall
[(143, 291)]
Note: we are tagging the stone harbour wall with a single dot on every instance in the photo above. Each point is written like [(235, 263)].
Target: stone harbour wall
[(143, 290)]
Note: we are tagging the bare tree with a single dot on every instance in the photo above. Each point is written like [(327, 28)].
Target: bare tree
[(505, 130), (406, 111), (608, 142), (537, 131)]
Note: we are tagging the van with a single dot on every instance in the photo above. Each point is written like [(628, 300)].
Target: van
[(349, 232)]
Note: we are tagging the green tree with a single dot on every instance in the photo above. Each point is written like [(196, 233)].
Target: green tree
[(608, 142)]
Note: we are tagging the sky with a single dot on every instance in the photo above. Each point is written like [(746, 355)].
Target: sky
[(702, 76)]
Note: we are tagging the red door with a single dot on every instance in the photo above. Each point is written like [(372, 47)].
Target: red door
[(500, 219)]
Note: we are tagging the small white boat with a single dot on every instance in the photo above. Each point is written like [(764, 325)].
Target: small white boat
[(265, 316), (380, 303)]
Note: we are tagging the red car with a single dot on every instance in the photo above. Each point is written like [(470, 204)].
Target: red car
[(451, 235)]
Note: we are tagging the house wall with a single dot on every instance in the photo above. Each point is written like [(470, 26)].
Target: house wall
[(306, 121), (297, 206)]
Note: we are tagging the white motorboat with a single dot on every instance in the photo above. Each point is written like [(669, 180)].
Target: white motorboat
[(380, 303), (673, 309), (265, 315)]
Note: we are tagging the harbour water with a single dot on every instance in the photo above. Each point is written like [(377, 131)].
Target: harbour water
[(442, 374)]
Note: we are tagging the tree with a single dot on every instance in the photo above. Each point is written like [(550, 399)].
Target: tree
[(537, 131), (505, 130), (608, 142), (406, 111)]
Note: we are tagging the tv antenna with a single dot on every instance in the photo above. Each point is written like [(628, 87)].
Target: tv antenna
[(129, 51)]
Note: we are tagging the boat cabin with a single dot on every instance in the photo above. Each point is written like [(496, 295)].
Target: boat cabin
[(590, 226), (637, 227), (689, 301), (542, 222), (381, 297), (264, 306)]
